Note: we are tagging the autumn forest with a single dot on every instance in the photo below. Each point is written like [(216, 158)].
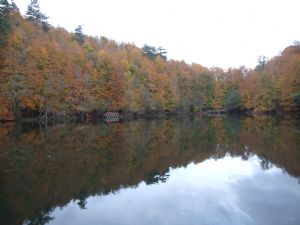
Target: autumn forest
[(48, 71)]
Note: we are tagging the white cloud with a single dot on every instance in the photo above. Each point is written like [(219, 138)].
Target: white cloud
[(225, 191)]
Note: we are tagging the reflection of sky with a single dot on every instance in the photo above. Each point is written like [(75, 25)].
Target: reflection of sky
[(226, 191)]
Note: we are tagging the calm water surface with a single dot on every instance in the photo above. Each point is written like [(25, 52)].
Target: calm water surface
[(177, 171)]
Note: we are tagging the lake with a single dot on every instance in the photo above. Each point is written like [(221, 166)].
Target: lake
[(210, 171)]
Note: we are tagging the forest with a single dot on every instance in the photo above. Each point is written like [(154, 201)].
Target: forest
[(46, 71)]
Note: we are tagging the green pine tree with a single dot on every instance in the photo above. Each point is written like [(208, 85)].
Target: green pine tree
[(35, 15), (79, 36)]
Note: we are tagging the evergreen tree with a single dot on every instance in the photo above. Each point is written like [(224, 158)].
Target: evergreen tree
[(150, 51), (232, 99), (5, 9), (79, 36), (35, 15), (4, 29), (262, 60), (162, 52)]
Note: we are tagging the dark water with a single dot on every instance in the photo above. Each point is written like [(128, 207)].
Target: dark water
[(177, 171)]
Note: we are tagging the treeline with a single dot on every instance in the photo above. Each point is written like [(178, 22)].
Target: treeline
[(48, 71)]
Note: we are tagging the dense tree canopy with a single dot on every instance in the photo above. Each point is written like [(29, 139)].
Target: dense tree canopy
[(54, 72)]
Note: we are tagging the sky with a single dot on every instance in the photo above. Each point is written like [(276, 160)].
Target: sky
[(212, 33)]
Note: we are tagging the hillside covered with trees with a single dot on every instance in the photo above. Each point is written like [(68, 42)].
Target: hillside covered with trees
[(48, 71)]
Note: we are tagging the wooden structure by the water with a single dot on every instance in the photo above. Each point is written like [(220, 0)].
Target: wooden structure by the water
[(215, 112), (110, 117)]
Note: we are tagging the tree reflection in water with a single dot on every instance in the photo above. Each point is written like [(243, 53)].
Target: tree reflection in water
[(46, 168)]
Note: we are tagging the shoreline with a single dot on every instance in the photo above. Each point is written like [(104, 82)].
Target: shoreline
[(128, 116)]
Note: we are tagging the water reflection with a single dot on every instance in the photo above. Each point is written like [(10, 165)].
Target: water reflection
[(226, 191), (225, 171)]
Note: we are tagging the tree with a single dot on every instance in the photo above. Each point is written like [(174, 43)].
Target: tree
[(232, 99), (162, 52), (219, 96), (149, 51), (4, 29), (35, 15), (79, 36), (5, 9), (262, 60), (15, 89)]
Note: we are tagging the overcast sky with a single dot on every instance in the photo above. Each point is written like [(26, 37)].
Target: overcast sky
[(220, 33)]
